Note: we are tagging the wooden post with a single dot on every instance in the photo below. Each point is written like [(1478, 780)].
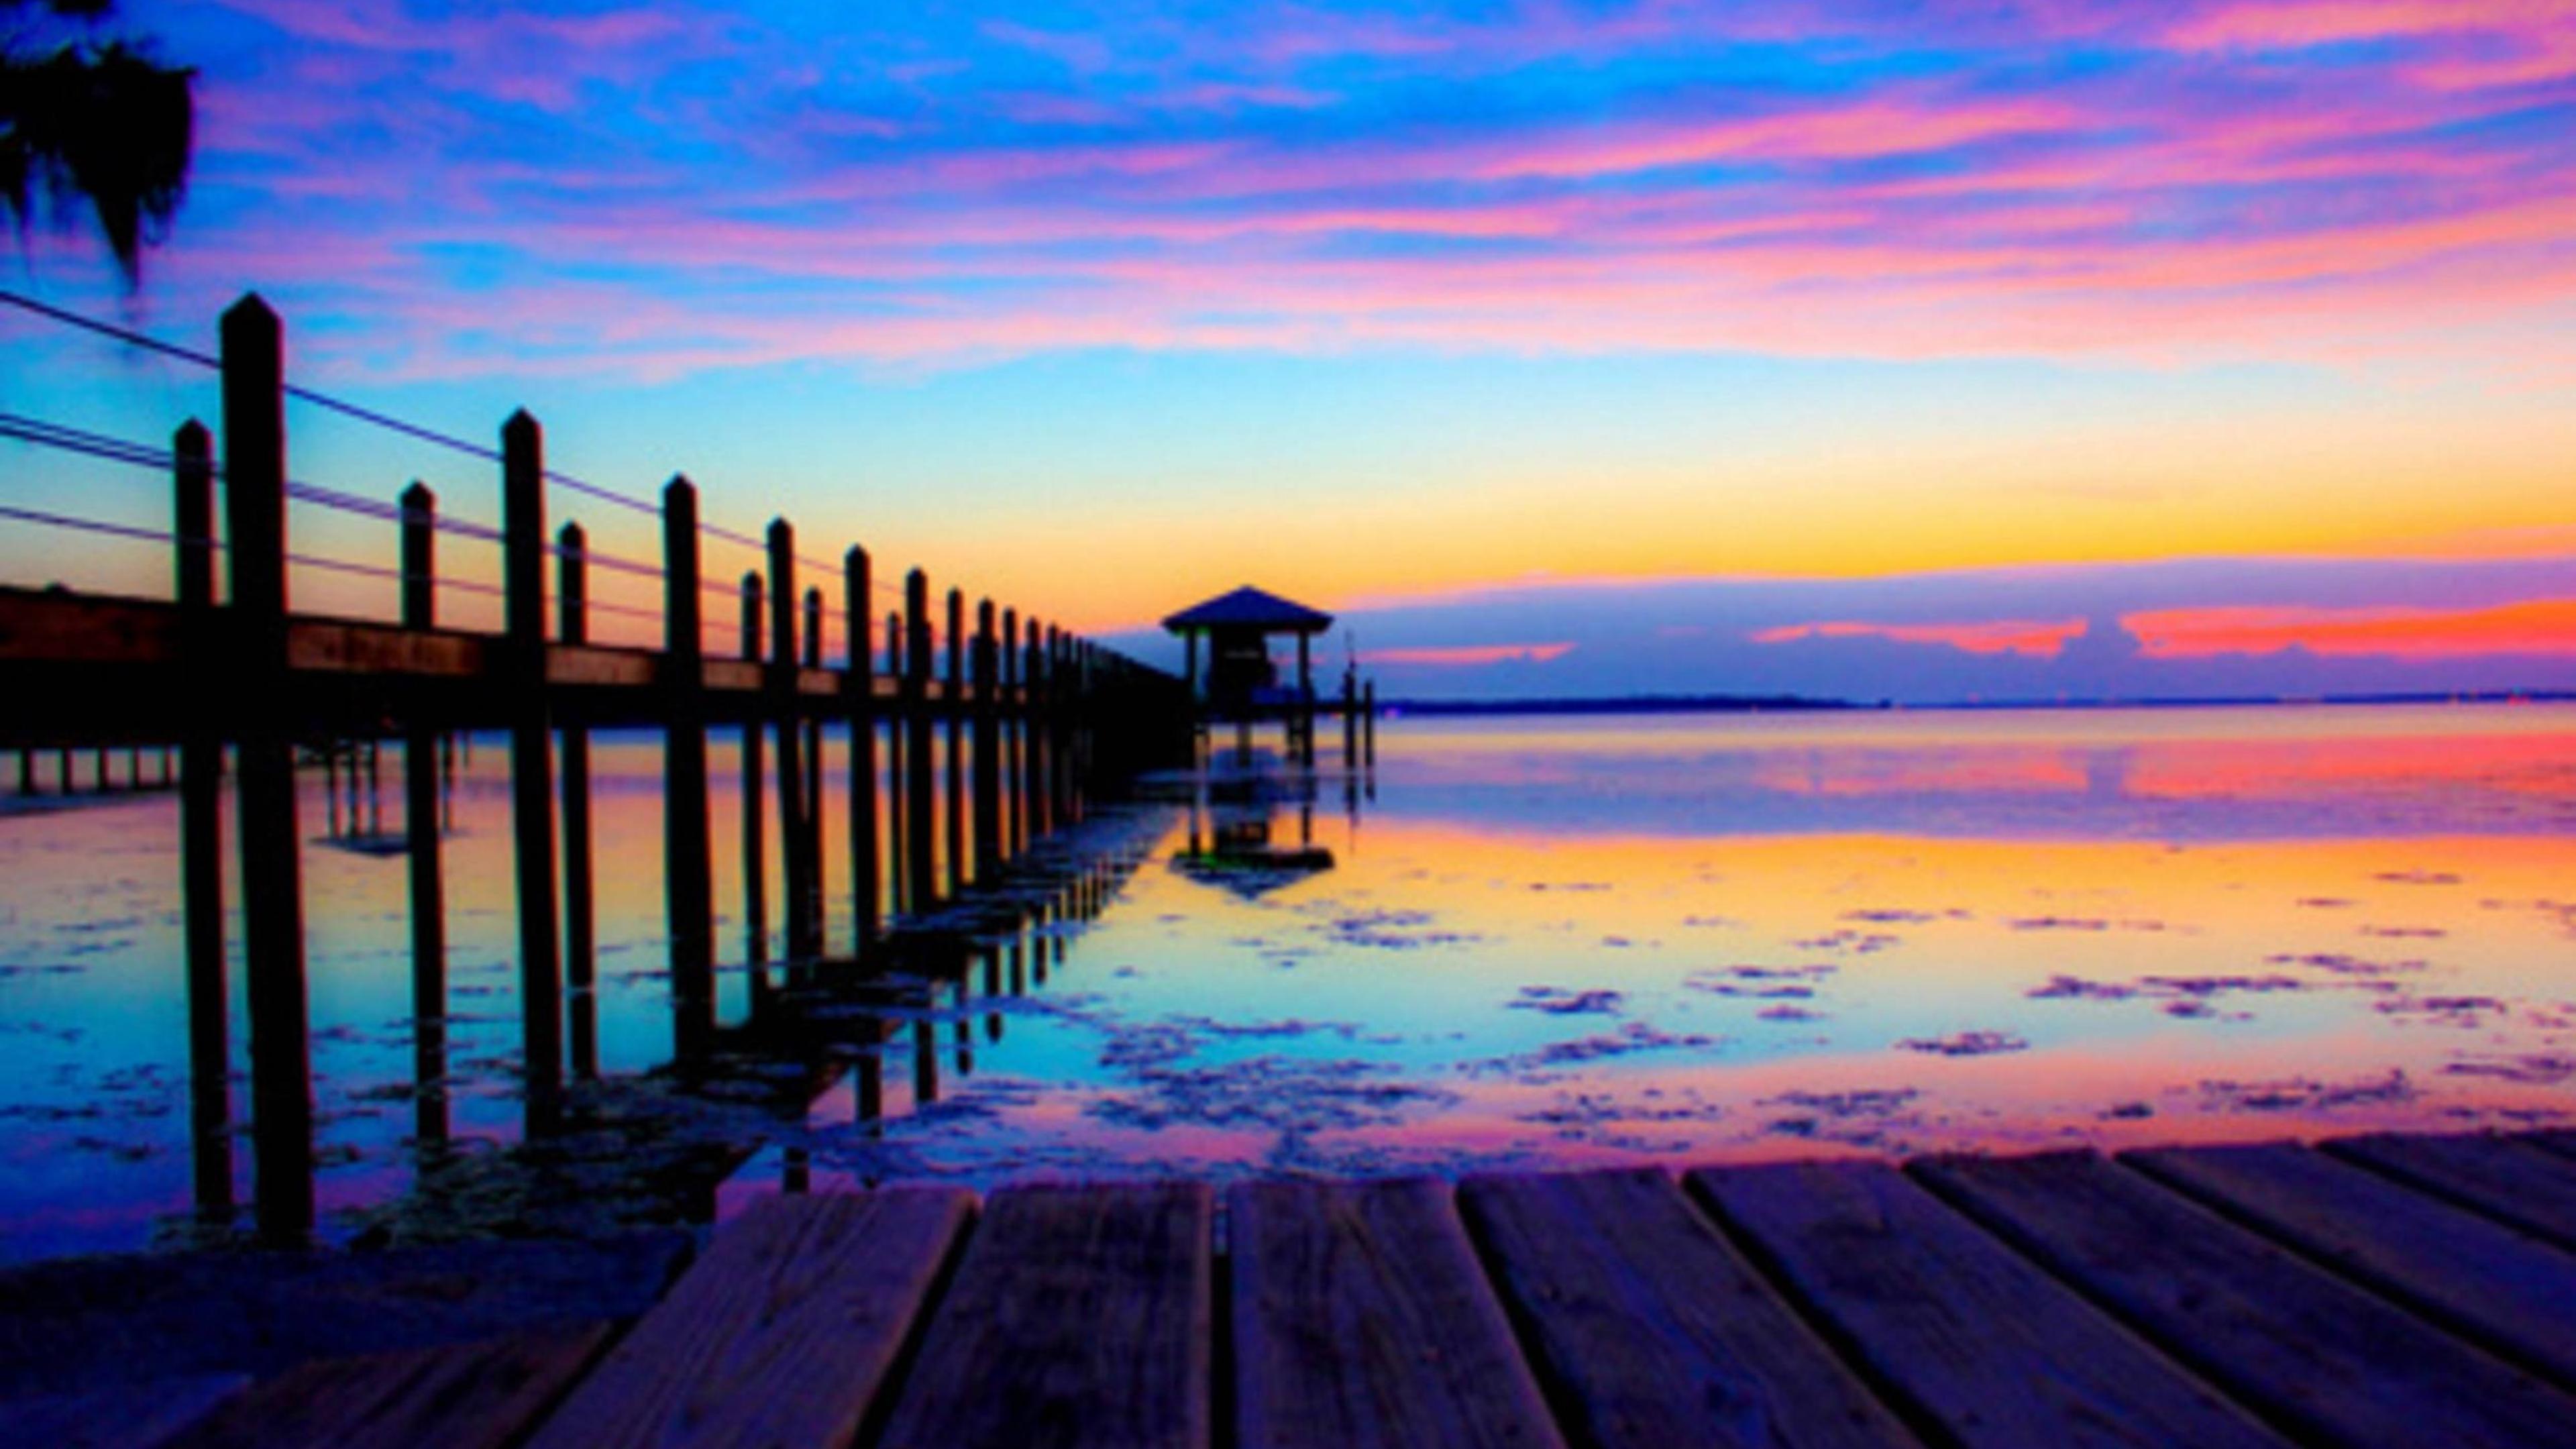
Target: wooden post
[(925, 1063), (796, 895), (815, 873), (1015, 698), (201, 841), (870, 1072), (919, 844), (254, 385), (422, 836), (988, 747), (755, 832), (898, 874), (687, 862), (1033, 689), (956, 771), (859, 680), (1368, 724), (1305, 751), (523, 577), (581, 951), (1060, 689), (572, 585), (1061, 702), (1350, 718), (419, 557)]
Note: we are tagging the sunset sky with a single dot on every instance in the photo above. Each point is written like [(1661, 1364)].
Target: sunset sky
[(2017, 348)]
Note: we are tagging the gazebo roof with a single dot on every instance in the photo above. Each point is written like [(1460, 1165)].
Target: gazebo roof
[(1250, 608)]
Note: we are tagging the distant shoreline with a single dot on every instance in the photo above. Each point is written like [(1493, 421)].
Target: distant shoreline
[(1800, 704)]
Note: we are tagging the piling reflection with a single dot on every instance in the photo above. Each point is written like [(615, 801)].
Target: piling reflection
[(1785, 933), (832, 982)]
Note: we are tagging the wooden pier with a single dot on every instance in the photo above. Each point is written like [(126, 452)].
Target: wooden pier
[(2378, 1290), (225, 678)]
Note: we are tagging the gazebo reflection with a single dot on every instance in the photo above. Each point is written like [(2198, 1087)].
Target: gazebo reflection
[(1240, 837)]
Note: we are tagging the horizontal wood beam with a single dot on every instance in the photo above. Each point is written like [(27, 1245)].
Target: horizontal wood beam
[(67, 657)]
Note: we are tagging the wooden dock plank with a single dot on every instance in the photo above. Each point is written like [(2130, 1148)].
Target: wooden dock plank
[(2507, 1290), (781, 1335), (459, 1396), (128, 1416), (78, 1324), (1650, 1329), (2511, 1181), (1078, 1316), (1361, 1318), (2315, 1353), (1966, 1332)]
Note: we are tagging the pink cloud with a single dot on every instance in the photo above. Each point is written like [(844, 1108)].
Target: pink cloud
[(519, 55), (2041, 637), (1872, 127), (1464, 655), (2319, 22), (2072, 216)]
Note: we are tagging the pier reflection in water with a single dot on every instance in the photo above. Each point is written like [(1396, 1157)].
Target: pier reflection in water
[(1544, 944), (1565, 943), (428, 1117)]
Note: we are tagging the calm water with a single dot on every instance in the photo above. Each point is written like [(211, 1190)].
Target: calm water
[(1522, 943)]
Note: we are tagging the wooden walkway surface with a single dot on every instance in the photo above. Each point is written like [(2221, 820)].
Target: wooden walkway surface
[(2375, 1290)]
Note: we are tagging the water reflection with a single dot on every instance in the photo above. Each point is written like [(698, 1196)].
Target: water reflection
[(1606, 941), (419, 894), (1522, 943)]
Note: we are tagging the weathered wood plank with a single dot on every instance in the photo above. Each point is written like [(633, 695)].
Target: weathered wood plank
[(65, 627), (2317, 1354), (1361, 1318), (129, 1416), (1651, 1329), (1967, 1333), (781, 1335), (732, 676), (461, 1396), (333, 646), (1079, 1316), (596, 666), (2505, 1289), (78, 1324), (2511, 1181)]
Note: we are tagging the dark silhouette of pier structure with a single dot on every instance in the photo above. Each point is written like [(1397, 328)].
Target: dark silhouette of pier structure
[(1240, 685), (1027, 720)]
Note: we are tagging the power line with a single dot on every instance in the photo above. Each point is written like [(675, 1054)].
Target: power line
[(93, 525), (127, 335), (355, 411), (119, 450)]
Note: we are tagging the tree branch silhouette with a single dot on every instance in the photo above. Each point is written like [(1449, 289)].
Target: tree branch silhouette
[(91, 122)]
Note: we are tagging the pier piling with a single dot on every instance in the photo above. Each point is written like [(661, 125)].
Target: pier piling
[(532, 825)]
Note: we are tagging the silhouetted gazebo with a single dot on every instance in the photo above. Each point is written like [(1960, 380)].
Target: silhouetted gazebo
[(1242, 684)]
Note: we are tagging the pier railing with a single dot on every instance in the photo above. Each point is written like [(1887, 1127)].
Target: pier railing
[(226, 669)]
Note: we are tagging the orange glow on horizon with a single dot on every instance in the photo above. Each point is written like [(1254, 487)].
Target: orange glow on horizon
[(2535, 626)]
